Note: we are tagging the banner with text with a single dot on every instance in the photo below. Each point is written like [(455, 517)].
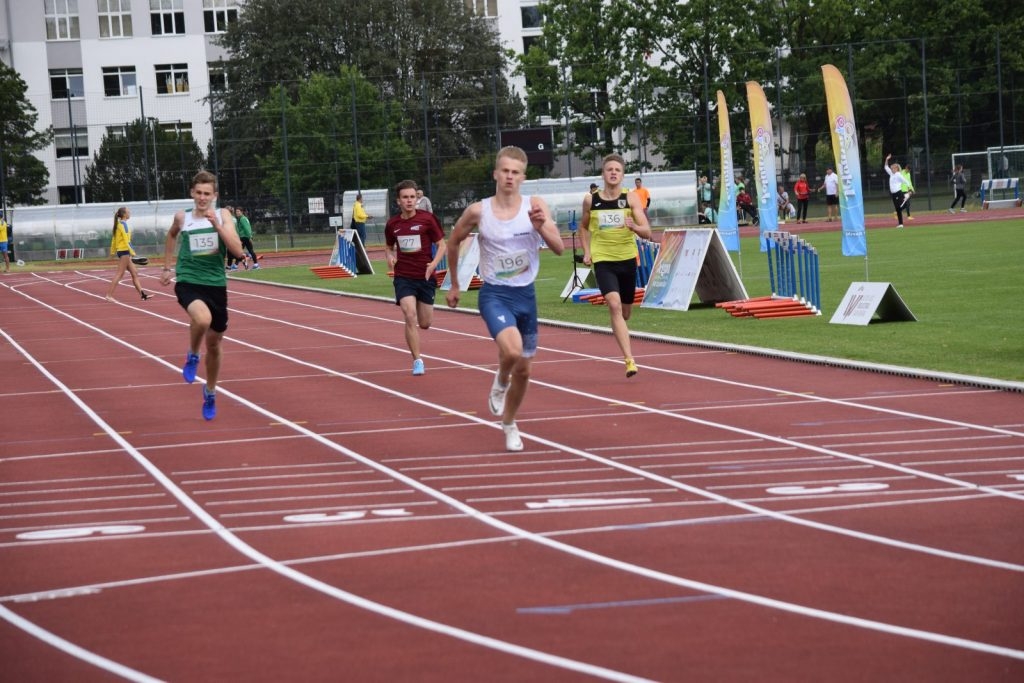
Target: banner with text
[(728, 223), (691, 261), (765, 176), (847, 156)]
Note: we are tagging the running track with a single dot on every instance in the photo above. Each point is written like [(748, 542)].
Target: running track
[(719, 517)]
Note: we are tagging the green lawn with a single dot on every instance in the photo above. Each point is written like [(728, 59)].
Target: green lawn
[(964, 283)]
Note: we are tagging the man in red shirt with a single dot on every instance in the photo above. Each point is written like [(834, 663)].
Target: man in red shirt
[(803, 194), (410, 239)]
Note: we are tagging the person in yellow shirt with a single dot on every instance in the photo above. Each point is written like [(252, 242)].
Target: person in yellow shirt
[(121, 246), (359, 218), (612, 220), (3, 243)]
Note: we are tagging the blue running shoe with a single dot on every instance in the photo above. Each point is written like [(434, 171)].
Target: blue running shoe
[(417, 367), (189, 369), (209, 404)]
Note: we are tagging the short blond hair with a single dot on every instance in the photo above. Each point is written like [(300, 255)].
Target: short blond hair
[(512, 152)]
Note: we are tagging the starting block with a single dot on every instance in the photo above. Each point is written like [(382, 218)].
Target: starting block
[(66, 254)]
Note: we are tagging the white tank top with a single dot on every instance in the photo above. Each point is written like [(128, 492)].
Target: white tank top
[(508, 248)]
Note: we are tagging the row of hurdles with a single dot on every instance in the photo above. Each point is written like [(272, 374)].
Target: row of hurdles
[(793, 274), (794, 277)]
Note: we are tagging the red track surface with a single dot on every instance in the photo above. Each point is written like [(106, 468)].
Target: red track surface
[(718, 517)]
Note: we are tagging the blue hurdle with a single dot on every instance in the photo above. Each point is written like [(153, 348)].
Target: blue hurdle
[(793, 268), (648, 252)]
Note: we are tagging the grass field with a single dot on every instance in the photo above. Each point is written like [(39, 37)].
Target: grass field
[(963, 282)]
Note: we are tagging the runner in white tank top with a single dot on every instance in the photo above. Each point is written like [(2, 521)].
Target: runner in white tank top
[(511, 228)]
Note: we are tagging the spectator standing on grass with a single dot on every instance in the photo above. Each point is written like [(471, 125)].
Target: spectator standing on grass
[(611, 221), (121, 246), (704, 189), (244, 228), (831, 187), (511, 230), (359, 218), (4, 238), (643, 193), (423, 203), (409, 241), (895, 189), (207, 236), (959, 181), (803, 196), (908, 190)]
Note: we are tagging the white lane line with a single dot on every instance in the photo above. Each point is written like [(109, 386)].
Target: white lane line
[(800, 396), (572, 550), (70, 648), (278, 567)]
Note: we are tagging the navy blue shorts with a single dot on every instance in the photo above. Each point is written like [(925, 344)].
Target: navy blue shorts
[(503, 307), (422, 290)]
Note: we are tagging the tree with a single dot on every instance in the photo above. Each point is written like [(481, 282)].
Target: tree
[(23, 177), (322, 148), (144, 162), (440, 70), (637, 76)]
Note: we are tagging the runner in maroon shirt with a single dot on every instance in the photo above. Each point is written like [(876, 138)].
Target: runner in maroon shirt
[(410, 239)]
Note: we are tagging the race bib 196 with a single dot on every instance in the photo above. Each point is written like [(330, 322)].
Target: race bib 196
[(509, 265)]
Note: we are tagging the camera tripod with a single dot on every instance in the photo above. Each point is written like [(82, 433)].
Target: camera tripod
[(577, 283)]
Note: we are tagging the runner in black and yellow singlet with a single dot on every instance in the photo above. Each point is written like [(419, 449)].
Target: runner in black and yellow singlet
[(612, 220)]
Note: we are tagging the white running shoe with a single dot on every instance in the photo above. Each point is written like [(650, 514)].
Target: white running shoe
[(496, 399), (512, 440)]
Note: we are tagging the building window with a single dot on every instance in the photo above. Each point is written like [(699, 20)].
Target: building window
[(119, 81), (119, 132), (65, 83), (587, 133), (71, 142), (532, 17), (218, 77), (482, 8), (61, 19), (217, 14), (182, 130), (115, 18), (167, 17), (71, 194), (171, 78), (530, 41)]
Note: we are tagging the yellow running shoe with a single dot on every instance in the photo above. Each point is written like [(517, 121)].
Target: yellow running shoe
[(631, 368)]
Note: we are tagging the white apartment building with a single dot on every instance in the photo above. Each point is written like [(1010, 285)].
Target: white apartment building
[(93, 66)]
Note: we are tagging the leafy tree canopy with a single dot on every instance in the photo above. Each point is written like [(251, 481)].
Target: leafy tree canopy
[(24, 176), (144, 162), (440, 70)]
